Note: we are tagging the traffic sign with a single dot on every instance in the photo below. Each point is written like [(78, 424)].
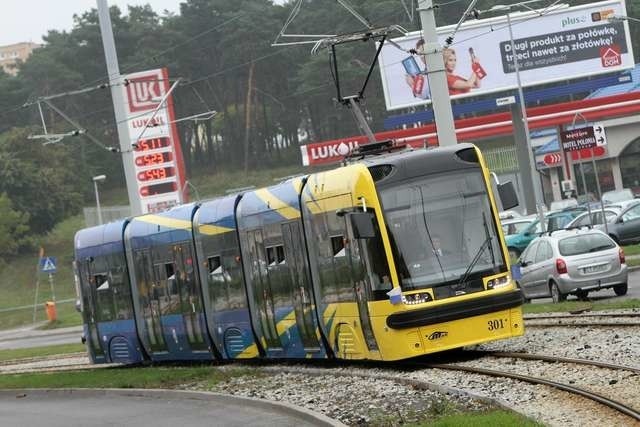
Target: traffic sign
[(48, 264), (585, 137), (552, 159), (601, 136)]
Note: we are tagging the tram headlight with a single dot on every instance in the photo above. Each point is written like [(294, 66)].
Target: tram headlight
[(499, 282), (417, 298)]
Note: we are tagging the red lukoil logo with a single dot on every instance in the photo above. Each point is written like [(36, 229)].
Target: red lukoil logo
[(610, 56), (144, 93)]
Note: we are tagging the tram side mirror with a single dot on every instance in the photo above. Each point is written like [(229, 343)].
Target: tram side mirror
[(508, 195), (362, 223)]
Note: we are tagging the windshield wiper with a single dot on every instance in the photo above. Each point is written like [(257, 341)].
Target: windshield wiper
[(474, 261)]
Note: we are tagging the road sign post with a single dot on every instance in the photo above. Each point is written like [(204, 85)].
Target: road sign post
[(48, 265), (588, 137)]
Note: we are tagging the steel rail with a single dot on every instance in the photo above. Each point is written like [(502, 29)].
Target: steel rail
[(580, 324), (36, 359), (579, 316), (620, 407), (553, 359)]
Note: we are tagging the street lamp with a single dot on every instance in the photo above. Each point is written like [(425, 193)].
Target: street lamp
[(531, 169), (96, 179)]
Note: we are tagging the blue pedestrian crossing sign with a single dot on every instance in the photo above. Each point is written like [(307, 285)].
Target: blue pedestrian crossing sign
[(48, 264)]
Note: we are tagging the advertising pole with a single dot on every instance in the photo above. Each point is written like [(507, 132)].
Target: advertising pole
[(436, 77), (528, 171), (116, 83)]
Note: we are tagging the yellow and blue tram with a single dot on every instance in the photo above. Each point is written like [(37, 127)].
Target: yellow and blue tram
[(391, 257)]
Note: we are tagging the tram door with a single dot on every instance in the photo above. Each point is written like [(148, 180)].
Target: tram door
[(362, 284), (301, 287), (262, 294), (191, 303), (151, 296), (89, 309)]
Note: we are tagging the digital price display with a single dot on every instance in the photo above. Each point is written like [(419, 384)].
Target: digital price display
[(158, 173), (154, 159), (152, 144), (152, 190)]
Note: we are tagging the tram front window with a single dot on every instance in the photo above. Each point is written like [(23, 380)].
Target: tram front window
[(442, 230)]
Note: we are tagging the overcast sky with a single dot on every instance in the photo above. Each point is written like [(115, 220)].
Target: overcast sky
[(28, 20)]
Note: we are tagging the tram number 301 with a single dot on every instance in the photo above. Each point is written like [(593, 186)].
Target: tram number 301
[(494, 325)]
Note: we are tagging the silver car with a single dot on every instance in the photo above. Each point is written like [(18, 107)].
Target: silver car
[(571, 262)]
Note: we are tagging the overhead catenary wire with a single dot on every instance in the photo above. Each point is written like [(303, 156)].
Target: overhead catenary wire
[(91, 88)]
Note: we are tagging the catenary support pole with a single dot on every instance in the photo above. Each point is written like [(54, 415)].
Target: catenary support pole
[(117, 94), (436, 76)]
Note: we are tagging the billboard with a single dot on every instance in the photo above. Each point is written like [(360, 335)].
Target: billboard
[(157, 155), (551, 45)]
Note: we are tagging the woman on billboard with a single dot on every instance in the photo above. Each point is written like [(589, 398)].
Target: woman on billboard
[(457, 84)]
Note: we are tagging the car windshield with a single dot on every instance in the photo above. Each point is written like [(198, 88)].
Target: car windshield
[(617, 196), (441, 229), (585, 243)]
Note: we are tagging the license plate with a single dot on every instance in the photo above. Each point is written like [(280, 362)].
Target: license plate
[(594, 268)]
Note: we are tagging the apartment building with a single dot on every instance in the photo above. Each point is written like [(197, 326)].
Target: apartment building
[(10, 54)]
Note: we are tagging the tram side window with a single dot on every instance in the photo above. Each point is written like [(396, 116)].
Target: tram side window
[(172, 287), (121, 289), (280, 258), (335, 270), (233, 272), (380, 276), (337, 244), (275, 255), (218, 283), (271, 256), (104, 297)]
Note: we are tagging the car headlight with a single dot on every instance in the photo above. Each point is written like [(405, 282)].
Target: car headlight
[(499, 282)]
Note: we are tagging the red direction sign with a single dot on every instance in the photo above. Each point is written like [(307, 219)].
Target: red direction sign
[(552, 159)]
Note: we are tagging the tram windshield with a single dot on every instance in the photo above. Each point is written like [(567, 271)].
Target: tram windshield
[(442, 230)]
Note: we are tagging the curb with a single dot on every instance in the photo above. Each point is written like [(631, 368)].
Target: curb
[(294, 411)]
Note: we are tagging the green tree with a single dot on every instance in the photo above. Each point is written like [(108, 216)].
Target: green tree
[(14, 228), (39, 180)]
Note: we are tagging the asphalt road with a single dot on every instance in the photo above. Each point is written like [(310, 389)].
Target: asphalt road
[(147, 408)]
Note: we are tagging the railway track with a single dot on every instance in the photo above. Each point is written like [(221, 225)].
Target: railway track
[(61, 362), (583, 320), (520, 372)]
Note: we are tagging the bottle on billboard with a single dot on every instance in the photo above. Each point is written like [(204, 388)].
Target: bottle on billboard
[(412, 69), (475, 65)]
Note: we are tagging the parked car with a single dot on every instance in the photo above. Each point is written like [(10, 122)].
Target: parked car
[(572, 262), (583, 220), (624, 228), (617, 196), (558, 205), (510, 214), (516, 225), (517, 243)]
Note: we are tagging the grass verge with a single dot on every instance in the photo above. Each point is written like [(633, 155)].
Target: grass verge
[(164, 377), (631, 250), (484, 419)]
